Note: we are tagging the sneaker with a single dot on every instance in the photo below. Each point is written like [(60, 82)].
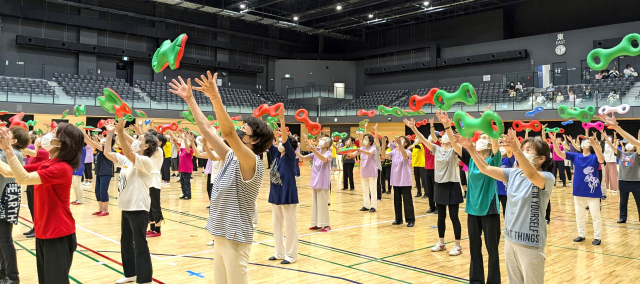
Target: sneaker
[(28, 232), (457, 250), (439, 247), (604, 197), (32, 235), (578, 239), (326, 229), (96, 213), (372, 210), (210, 243), (364, 209), (127, 280), (103, 214), (154, 234), (75, 203), (315, 228), (622, 220), (596, 242), (150, 232)]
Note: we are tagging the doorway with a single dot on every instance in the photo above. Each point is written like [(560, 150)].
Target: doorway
[(285, 84), (124, 70), (560, 75)]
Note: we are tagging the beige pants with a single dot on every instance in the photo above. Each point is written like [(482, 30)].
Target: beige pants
[(525, 264), (339, 162), (369, 192), (319, 208), (254, 220), (285, 215), (594, 206), (76, 184), (230, 261)]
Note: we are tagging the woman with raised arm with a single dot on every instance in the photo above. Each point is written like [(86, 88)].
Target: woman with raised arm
[(611, 167), (320, 183), (185, 167), (348, 163), (586, 185), (401, 180), (338, 145), (385, 179), (368, 173), (135, 161), (283, 196), (429, 164), (629, 176), (54, 224), (36, 155), (376, 143), (529, 187), (236, 187), (448, 193), (104, 173)]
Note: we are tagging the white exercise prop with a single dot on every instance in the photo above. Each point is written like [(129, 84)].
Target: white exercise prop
[(621, 109)]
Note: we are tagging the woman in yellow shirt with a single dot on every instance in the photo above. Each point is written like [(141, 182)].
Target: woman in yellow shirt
[(417, 161), (166, 164)]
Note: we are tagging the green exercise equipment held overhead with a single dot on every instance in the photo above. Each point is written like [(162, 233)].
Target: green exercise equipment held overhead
[(188, 116), (342, 135), (445, 100), (583, 114), (489, 123), (169, 54), (390, 111), (141, 113), (554, 130), (79, 110), (624, 48), (412, 113), (272, 121), (109, 99), (64, 114)]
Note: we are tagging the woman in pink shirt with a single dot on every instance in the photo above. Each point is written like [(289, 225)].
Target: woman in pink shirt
[(368, 173), (320, 183), (185, 168), (401, 180)]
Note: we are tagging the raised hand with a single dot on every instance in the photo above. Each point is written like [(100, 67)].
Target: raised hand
[(208, 85), (120, 125), (181, 89), (464, 142), (611, 120), (443, 117), (552, 136), (431, 120), (375, 128), (5, 140), (410, 123)]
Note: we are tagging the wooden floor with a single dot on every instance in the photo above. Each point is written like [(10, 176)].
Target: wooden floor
[(362, 248)]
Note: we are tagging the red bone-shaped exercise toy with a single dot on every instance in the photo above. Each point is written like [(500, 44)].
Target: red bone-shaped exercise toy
[(597, 125), (416, 102), (422, 122), (302, 115), (273, 110), (103, 122), (412, 137), (369, 113), (16, 120), (122, 109), (164, 127), (521, 126), (236, 117), (52, 125), (520, 139)]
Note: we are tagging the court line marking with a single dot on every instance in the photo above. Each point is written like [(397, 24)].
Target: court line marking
[(96, 234)]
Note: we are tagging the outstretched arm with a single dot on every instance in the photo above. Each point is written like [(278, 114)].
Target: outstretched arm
[(483, 166)]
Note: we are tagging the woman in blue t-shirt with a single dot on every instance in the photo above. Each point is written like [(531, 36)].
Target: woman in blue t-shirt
[(586, 185), (508, 161), (283, 196)]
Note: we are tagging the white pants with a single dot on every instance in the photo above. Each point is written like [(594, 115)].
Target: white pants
[(319, 208), (254, 220), (339, 165), (230, 261), (285, 215), (76, 184), (370, 192), (594, 206), (525, 264)]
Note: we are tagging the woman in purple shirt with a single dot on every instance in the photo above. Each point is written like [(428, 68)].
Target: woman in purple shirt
[(401, 179), (320, 183), (368, 173), (88, 162)]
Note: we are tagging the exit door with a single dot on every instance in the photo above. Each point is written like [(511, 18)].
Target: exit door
[(285, 84), (560, 74)]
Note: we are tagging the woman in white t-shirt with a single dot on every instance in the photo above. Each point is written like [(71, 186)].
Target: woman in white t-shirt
[(134, 182)]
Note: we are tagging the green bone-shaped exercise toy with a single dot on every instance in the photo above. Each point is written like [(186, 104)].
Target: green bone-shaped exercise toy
[(79, 110), (583, 114), (273, 122), (484, 124), (342, 135), (64, 114), (411, 113), (390, 111), (554, 130), (109, 99), (624, 48), (188, 116), (445, 100), (169, 54)]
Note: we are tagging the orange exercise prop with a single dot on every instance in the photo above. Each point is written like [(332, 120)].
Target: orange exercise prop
[(273, 110), (416, 102), (164, 127), (302, 115)]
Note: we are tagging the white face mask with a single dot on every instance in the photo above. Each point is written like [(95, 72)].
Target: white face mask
[(482, 145), (585, 144), (629, 147), (135, 146), (135, 136), (280, 147), (445, 138), (503, 151), (321, 143), (102, 140), (45, 142), (366, 143), (530, 157)]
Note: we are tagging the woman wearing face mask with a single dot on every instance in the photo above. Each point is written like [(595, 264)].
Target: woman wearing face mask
[(135, 180), (447, 189), (338, 146), (368, 173), (482, 208), (419, 172), (320, 183), (586, 185), (104, 173), (54, 226), (611, 167), (429, 164), (76, 182), (35, 156), (9, 188), (349, 164), (401, 180), (185, 168), (528, 189), (385, 180), (283, 196), (629, 176)]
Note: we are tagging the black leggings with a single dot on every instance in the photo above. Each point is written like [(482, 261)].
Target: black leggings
[(88, 171), (559, 166), (155, 212), (347, 175), (453, 214)]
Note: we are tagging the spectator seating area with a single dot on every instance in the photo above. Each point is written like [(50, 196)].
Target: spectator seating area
[(374, 99), (159, 92), (91, 86), (38, 87), (273, 98)]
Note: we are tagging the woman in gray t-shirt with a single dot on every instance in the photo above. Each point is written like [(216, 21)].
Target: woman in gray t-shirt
[(528, 191)]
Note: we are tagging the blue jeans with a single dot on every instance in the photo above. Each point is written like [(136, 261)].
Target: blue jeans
[(102, 188)]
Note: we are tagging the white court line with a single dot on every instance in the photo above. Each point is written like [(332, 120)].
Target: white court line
[(96, 234)]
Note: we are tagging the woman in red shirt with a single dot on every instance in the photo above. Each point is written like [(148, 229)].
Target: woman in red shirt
[(54, 225)]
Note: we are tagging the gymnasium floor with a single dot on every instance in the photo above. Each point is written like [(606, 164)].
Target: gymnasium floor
[(362, 248)]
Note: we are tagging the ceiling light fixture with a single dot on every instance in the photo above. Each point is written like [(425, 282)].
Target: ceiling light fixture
[(339, 7), (426, 3), (295, 18), (370, 15), (242, 6)]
